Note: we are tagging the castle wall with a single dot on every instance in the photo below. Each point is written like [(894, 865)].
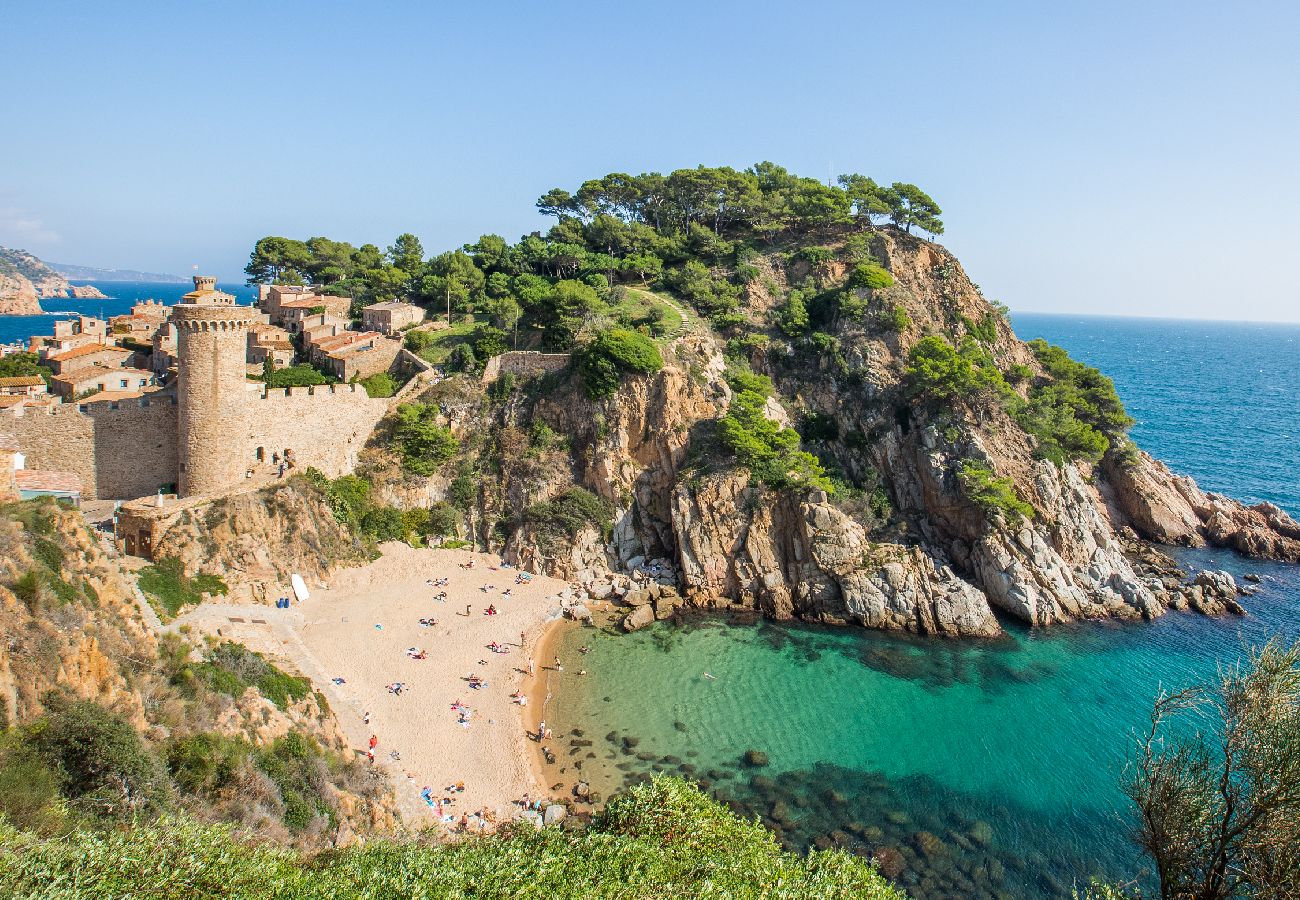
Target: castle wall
[(121, 450), (523, 364), (325, 426)]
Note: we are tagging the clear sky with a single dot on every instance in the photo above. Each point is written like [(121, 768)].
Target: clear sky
[(1134, 158)]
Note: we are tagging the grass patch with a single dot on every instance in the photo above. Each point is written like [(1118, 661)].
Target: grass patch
[(167, 585)]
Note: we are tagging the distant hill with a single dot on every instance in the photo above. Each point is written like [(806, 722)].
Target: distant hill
[(89, 273), (24, 280)]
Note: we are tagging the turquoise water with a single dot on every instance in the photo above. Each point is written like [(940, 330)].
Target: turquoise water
[(1008, 752), (122, 295)]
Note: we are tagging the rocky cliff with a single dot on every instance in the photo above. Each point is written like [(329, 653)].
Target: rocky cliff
[(938, 555), (71, 629), (24, 281)]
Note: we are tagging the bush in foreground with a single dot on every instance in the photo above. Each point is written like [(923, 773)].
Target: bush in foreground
[(664, 839)]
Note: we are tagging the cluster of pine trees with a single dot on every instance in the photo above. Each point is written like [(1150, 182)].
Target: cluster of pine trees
[(670, 229)]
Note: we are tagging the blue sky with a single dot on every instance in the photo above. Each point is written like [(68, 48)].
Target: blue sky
[(1127, 158)]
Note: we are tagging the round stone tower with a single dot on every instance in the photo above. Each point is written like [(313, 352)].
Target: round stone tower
[(211, 391)]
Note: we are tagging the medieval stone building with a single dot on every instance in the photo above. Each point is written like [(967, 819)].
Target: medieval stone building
[(208, 432)]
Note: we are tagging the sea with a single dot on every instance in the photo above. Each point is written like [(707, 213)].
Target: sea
[(122, 295), (982, 768)]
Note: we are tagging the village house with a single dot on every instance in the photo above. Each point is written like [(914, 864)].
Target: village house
[(390, 317), (69, 334), (287, 305), (88, 355), (355, 354), (17, 482), (23, 386), (79, 383), (269, 341)]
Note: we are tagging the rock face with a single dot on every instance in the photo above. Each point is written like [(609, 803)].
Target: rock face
[(256, 540), (86, 292), (24, 280), (1171, 509), (937, 562)]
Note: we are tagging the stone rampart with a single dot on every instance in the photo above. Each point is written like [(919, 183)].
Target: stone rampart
[(523, 364), (324, 426), (121, 449)]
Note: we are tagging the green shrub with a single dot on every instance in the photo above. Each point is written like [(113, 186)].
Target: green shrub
[(1075, 415), (462, 359), (442, 521), (422, 444), (232, 668), (614, 353), (102, 764), (166, 583), (567, 513), (380, 384), (895, 319), (938, 371), (207, 762), (29, 787), (870, 276), (996, 496), (770, 452), (301, 375)]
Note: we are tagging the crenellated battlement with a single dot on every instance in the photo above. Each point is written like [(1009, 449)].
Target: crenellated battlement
[(314, 390), (56, 410)]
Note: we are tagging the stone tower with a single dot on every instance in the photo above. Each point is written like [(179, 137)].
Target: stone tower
[(211, 387)]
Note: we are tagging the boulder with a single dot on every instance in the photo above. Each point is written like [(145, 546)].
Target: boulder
[(755, 758), (638, 618), (554, 813), (639, 597)]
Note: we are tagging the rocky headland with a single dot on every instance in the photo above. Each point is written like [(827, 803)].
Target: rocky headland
[(927, 551), (26, 280)]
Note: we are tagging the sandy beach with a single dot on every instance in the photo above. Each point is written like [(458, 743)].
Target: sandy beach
[(357, 636), (361, 628)]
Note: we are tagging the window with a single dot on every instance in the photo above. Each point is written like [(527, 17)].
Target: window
[(124, 382)]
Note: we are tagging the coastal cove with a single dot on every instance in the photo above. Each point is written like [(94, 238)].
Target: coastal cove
[(978, 761)]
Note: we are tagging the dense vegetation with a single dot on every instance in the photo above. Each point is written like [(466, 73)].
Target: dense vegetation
[(349, 498), (614, 353), (663, 839), (300, 375), (1073, 412), (566, 514), (770, 451), (420, 441)]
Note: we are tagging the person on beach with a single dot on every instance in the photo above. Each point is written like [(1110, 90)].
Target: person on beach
[(541, 731), (521, 639), (531, 668), (467, 610), (366, 718), (559, 666)]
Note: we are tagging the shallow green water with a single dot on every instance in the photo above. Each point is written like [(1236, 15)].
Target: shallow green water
[(1027, 734), (1009, 753)]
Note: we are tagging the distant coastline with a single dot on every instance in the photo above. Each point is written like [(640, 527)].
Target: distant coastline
[(90, 273)]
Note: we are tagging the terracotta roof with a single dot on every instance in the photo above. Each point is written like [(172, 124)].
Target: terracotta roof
[(37, 480), (393, 305), (22, 381), (106, 396), (86, 350), (6, 402), (305, 303)]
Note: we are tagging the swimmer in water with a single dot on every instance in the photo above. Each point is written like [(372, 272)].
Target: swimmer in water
[(710, 677)]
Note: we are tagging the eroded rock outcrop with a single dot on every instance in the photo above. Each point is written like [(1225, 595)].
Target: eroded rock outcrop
[(1171, 509), (941, 560)]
